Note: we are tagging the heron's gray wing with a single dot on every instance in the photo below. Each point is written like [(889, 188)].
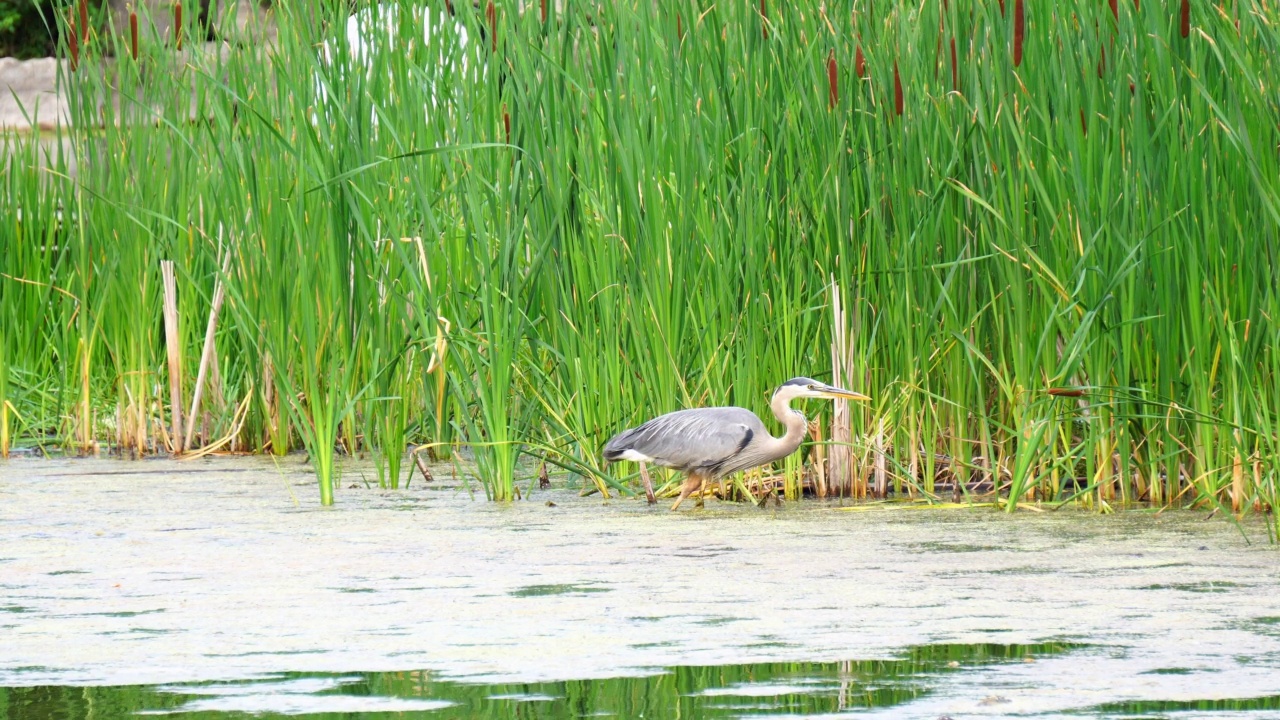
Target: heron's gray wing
[(702, 438)]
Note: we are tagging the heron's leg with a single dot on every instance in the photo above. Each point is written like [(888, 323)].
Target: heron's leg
[(690, 482), (648, 484), (702, 492)]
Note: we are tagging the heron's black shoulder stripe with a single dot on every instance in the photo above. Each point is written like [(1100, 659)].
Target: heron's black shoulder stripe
[(746, 440)]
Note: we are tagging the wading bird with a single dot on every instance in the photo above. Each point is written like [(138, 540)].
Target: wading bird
[(378, 31), (707, 444)]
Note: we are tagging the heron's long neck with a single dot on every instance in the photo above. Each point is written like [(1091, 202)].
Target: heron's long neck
[(795, 424)]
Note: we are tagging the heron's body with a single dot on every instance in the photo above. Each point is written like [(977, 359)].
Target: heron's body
[(706, 444), (379, 30)]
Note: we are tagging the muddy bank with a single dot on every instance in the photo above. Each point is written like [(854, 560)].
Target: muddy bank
[(155, 572)]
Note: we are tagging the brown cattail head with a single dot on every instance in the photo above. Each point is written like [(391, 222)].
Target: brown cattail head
[(177, 25), (833, 88), (544, 11), (679, 28), (84, 22), (1135, 6), (1115, 9), (937, 50), (897, 90), (859, 64), (764, 21), (1019, 31), (1184, 22), (1102, 60), (1001, 8), (1066, 392), (1084, 129), (506, 122), (491, 14), (73, 44), (955, 68), (133, 34)]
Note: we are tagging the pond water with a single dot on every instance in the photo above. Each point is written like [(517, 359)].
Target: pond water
[(219, 588)]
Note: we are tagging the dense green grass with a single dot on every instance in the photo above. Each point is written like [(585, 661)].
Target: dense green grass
[(664, 226)]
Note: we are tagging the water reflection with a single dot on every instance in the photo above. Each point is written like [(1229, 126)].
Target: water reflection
[(706, 692)]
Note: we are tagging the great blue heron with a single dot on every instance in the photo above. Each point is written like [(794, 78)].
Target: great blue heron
[(707, 444), (378, 30)]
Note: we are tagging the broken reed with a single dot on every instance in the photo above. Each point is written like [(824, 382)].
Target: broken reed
[(666, 239)]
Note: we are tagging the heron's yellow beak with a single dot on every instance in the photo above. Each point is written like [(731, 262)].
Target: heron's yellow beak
[(841, 393)]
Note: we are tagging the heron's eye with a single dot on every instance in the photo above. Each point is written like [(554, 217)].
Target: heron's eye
[(813, 387)]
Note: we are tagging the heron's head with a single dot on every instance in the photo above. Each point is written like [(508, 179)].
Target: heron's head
[(803, 387)]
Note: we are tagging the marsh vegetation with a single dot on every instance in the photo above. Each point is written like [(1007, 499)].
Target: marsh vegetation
[(1043, 237)]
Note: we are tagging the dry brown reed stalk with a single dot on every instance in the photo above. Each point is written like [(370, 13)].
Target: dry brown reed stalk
[(1019, 31), (4, 429), (237, 424), (1237, 480), (879, 458), (219, 293), (840, 469), (833, 88), (131, 425), (133, 35), (818, 458), (174, 348)]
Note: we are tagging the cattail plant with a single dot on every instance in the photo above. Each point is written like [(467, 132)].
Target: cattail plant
[(897, 90), (133, 35), (833, 89), (491, 14), (587, 308), (955, 67), (84, 23), (73, 43), (177, 25), (1184, 20), (1019, 31)]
